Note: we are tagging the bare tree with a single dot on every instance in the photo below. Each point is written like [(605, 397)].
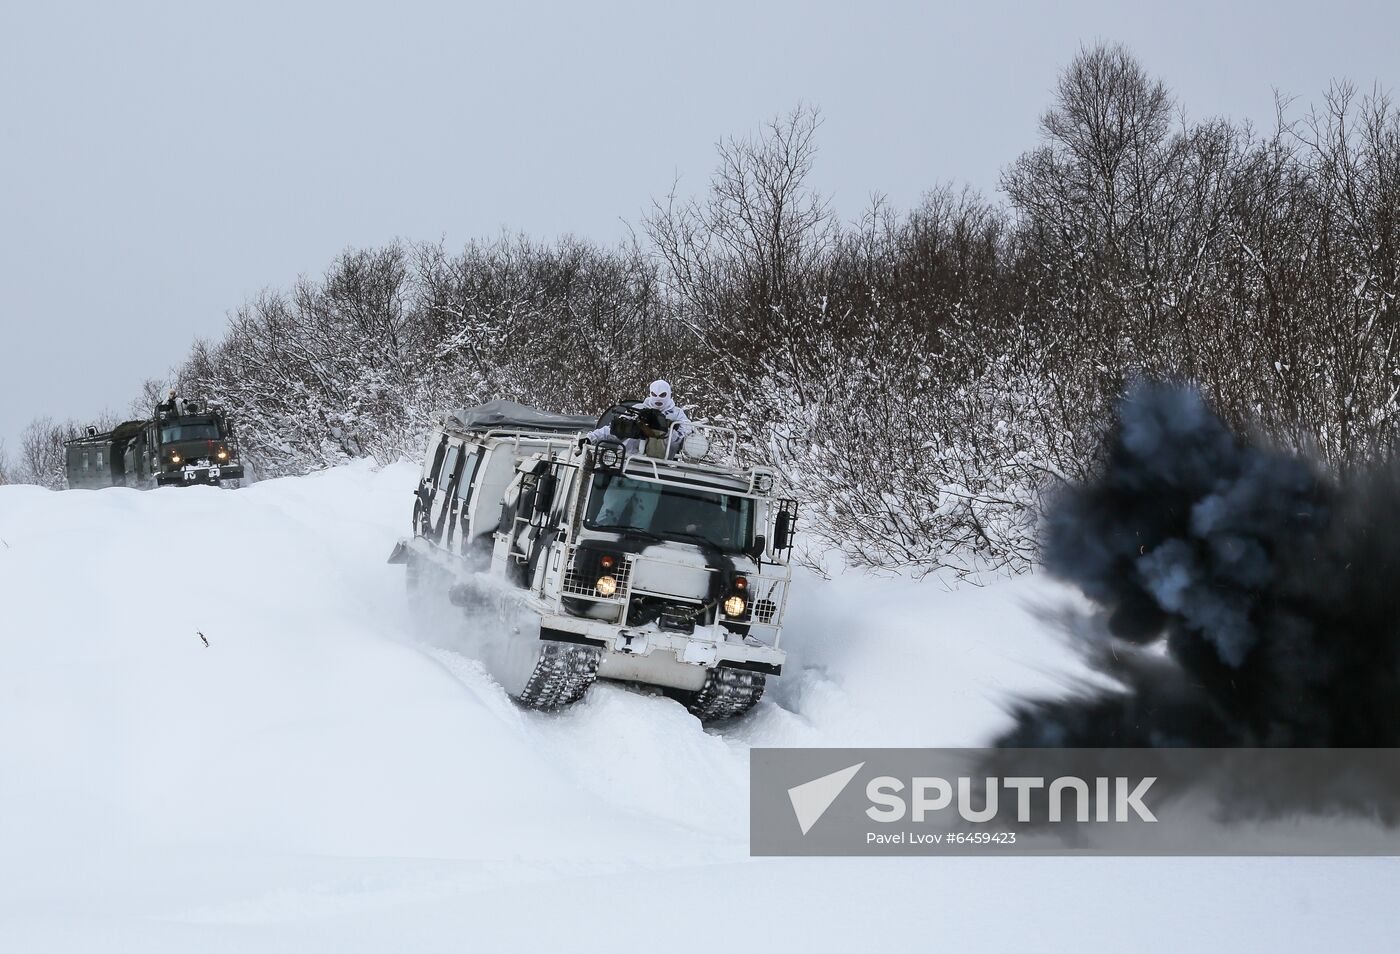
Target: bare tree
[(42, 454), (745, 261), (153, 391)]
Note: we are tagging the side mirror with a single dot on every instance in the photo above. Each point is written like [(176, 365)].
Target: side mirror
[(757, 548), (782, 531)]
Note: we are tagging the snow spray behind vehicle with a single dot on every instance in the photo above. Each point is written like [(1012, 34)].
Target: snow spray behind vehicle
[(1271, 587)]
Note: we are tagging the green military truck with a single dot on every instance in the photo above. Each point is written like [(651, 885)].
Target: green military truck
[(183, 443)]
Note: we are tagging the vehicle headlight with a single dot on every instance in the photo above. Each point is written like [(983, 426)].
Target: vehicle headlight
[(174, 458), (695, 445), (610, 456), (734, 606), (223, 454), (606, 585)]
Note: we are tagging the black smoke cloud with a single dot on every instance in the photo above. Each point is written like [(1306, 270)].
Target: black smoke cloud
[(1244, 598)]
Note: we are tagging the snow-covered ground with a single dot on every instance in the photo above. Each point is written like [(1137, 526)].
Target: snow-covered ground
[(328, 775)]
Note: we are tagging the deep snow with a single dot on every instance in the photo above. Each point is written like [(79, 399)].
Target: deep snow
[(328, 774)]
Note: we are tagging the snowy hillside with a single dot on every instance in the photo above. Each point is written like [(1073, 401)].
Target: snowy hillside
[(326, 775)]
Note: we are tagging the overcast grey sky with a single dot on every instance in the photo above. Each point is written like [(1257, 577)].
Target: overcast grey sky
[(161, 162)]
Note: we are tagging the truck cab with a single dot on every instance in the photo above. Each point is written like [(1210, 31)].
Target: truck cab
[(193, 445)]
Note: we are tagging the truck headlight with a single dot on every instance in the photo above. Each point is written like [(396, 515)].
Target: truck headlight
[(222, 454), (174, 458), (606, 585), (734, 606)]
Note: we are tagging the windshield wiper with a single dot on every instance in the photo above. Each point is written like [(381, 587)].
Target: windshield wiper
[(673, 535), (680, 536), (634, 532), (699, 538)]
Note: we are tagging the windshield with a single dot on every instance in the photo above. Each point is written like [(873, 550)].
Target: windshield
[(670, 511), (191, 429)]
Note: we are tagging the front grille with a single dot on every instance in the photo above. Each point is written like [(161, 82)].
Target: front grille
[(765, 610), (577, 584)]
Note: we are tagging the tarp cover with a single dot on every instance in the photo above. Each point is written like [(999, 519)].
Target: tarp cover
[(508, 415), (121, 432)]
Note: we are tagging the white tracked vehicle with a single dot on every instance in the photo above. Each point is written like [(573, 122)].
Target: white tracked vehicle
[(669, 570)]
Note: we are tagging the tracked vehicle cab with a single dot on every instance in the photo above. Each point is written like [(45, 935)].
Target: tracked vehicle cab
[(183, 443), (194, 444), (648, 557)]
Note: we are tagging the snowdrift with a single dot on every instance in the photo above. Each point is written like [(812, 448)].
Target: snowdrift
[(328, 774)]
